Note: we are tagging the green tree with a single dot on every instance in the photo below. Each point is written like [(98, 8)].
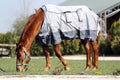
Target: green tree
[(19, 24), (112, 45), (72, 47), (8, 38), (115, 32)]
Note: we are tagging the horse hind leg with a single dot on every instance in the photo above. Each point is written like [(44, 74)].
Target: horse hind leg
[(95, 54), (59, 55), (87, 49), (47, 55)]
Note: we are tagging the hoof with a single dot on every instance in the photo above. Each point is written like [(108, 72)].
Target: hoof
[(95, 68), (66, 68), (22, 70), (87, 68), (46, 68)]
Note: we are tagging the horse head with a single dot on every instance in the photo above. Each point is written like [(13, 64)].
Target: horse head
[(28, 35), (23, 58)]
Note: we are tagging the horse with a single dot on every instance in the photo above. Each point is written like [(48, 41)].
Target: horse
[(31, 31)]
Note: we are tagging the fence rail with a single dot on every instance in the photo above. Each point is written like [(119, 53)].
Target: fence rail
[(4, 51), (10, 45)]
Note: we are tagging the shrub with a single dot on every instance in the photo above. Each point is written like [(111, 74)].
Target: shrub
[(115, 32)]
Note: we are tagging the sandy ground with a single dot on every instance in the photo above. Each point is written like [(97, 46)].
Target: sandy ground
[(59, 77), (83, 57)]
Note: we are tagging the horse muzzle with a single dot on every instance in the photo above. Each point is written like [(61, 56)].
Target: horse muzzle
[(21, 68), (23, 65)]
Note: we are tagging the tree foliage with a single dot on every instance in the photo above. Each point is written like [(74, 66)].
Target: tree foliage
[(115, 32), (71, 47), (8, 38), (112, 45), (19, 24)]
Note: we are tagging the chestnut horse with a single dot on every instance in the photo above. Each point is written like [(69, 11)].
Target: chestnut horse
[(30, 32)]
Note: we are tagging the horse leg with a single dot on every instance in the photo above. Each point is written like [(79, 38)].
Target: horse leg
[(95, 54), (87, 49), (59, 55), (47, 56)]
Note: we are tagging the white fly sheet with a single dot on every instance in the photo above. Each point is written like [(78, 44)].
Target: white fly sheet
[(67, 22)]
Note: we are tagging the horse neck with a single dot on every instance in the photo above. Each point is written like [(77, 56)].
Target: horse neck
[(32, 29)]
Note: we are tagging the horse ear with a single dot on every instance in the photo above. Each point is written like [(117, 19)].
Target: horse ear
[(35, 10), (18, 46)]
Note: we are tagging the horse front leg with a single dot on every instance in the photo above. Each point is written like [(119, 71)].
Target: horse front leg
[(47, 56), (95, 54), (87, 49), (59, 55)]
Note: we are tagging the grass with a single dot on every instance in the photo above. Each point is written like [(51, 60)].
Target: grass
[(36, 67)]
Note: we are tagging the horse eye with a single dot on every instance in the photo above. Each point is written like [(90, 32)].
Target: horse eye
[(18, 48), (18, 54)]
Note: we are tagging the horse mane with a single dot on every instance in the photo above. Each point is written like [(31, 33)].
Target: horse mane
[(27, 31), (31, 19)]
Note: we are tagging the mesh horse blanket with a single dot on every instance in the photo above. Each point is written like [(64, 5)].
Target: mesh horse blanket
[(67, 22)]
